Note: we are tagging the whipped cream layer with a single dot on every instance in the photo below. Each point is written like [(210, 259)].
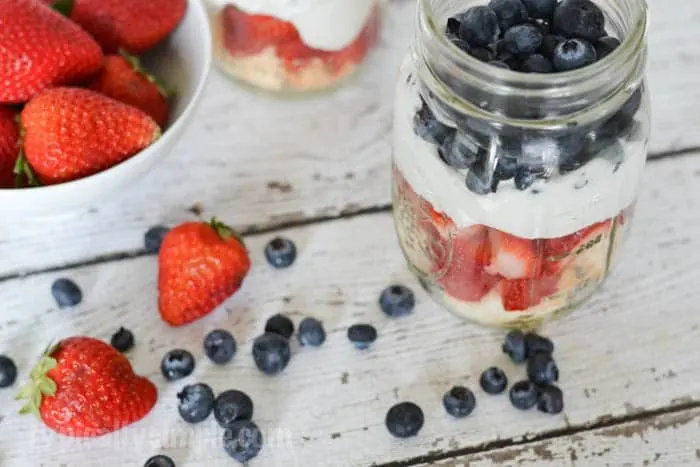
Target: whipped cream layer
[(561, 206), (329, 25)]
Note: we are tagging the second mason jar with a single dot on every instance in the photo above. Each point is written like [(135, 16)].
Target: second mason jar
[(515, 178), (293, 46)]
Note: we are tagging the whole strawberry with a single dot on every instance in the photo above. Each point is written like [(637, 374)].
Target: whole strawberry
[(199, 266), (70, 133), (9, 149), (123, 79), (132, 25), (39, 49), (83, 387)]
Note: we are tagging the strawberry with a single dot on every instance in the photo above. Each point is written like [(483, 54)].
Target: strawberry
[(133, 25), (249, 34), (83, 387), (71, 133), (521, 294), (463, 276), (199, 266), (123, 79), (558, 252), (9, 149), (52, 51), (514, 257)]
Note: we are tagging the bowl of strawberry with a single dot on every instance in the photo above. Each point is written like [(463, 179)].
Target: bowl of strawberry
[(95, 93)]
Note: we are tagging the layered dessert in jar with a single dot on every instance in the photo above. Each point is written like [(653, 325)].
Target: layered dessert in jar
[(510, 226), (294, 46)]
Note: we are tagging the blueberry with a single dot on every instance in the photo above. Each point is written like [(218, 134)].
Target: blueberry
[(508, 12), (606, 45), (280, 324), (542, 369), (154, 238), (536, 63), (541, 24), (177, 364), (549, 43), (572, 154), (618, 123), (573, 54), (550, 400), (459, 401), (499, 64), (506, 167), (271, 353), (362, 335), (493, 380), (232, 406), (538, 344), (66, 293), (459, 151), (540, 8), (482, 54), (243, 441), (311, 333), (523, 39), (479, 26), (280, 252), (479, 180), (8, 372), (196, 402), (580, 19), (523, 395), (427, 126), (515, 347), (159, 461), (404, 420), (524, 178), (397, 300), (220, 346), (122, 340), (452, 27), (460, 43)]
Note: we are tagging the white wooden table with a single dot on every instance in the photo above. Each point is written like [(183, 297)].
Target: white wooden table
[(318, 172)]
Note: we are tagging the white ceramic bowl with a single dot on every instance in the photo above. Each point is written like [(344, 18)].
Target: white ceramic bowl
[(182, 63)]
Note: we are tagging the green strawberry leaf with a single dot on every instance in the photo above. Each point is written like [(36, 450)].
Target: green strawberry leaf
[(224, 231), (63, 6), (40, 384), (135, 63)]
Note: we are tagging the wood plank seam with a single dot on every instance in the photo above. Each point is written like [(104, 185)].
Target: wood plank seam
[(601, 423)]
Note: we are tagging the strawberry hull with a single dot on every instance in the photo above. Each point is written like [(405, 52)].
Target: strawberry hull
[(498, 279)]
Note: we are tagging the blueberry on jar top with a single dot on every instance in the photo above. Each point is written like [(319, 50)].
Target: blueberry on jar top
[(581, 19), (523, 39), (479, 26), (508, 12)]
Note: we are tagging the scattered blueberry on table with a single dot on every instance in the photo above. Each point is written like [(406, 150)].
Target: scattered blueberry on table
[(243, 441), (397, 300), (550, 400), (280, 252), (232, 406), (153, 238), (404, 420), (195, 402), (542, 369), (271, 353), (459, 401), (159, 461), (8, 372), (515, 346), (311, 333), (362, 335), (177, 364), (538, 344), (523, 395), (220, 346), (493, 380), (122, 340), (66, 293), (280, 324)]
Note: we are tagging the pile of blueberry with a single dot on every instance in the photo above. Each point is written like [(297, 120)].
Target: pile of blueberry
[(532, 36), (406, 418)]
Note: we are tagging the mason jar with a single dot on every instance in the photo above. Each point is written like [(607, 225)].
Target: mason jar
[(514, 191), (293, 46)]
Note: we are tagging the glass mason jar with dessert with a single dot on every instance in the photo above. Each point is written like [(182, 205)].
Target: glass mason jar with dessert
[(293, 46), (520, 137)]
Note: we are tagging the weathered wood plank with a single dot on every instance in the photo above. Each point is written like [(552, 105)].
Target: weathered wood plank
[(631, 349), (262, 163), (669, 440)]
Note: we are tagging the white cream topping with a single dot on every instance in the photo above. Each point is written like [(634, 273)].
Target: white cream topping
[(561, 206), (323, 24)]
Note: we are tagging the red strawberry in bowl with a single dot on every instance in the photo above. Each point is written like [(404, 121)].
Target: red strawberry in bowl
[(9, 147), (54, 52)]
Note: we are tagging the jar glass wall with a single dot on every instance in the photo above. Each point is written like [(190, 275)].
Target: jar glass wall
[(293, 47), (514, 192)]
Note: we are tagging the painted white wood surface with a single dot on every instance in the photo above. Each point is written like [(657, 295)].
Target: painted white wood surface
[(668, 440), (260, 162), (632, 349)]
